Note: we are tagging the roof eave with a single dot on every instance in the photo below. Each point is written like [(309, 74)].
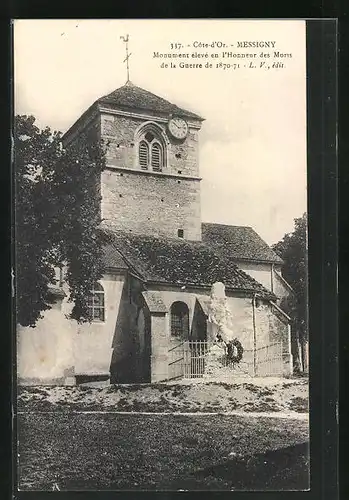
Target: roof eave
[(208, 286), (258, 261), (114, 269), (186, 113), (91, 110)]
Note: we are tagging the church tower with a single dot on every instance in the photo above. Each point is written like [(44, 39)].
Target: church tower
[(152, 183)]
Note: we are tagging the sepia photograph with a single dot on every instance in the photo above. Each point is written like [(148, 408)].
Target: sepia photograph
[(161, 282)]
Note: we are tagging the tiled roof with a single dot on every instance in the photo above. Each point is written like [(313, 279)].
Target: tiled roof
[(180, 262), (154, 301), (131, 96), (238, 242), (112, 258)]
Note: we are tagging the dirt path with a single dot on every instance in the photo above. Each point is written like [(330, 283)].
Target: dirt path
[(280, 414), (257, 396)]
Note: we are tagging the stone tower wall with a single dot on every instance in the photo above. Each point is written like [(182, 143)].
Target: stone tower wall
[(144, 201)]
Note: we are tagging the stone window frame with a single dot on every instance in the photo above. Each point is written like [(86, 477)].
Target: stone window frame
[(97, 307), (160, 140), (179, 320)]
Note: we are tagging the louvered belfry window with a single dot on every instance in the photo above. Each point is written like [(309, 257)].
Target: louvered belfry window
[(156, 161), (143, 155), (151, 152)]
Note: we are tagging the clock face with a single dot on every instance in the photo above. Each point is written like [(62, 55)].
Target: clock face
[(178, 128)]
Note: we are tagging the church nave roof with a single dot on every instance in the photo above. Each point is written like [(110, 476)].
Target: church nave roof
[(178, 261), (239, 242)]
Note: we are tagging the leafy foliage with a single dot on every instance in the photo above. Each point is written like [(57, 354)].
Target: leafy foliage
[(293, 250), (57, 217), (34, 257)]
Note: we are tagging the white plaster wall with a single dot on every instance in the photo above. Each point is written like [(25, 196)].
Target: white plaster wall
[(57, 347), (261, 272), (45, 352), (242, 313), (280, 289), (263, 336), (169, 297), (93, 341), (240, 308), (267, 328)]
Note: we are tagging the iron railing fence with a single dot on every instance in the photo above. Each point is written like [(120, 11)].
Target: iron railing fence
[(188, 360)]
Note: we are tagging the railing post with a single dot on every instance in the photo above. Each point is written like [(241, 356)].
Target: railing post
[(254, 335)]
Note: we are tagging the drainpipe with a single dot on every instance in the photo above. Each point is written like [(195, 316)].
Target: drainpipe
[(254, 334), (272, 278)]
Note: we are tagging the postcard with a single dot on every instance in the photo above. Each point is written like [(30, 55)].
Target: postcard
[(161, 255)]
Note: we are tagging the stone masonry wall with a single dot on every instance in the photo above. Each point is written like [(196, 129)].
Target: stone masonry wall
[(143, 201), (272, 327), (120, 132), (151, 204), (159, 348)]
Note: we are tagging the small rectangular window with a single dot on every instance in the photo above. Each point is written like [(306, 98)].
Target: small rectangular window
[(180, 233), (95, 302)]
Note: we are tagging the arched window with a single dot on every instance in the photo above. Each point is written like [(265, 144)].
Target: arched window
[(156, 156), (144, 155), (180, 320), (96, 303), (151, 149)]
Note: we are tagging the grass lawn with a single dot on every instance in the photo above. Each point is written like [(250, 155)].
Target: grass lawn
[(89, 451)]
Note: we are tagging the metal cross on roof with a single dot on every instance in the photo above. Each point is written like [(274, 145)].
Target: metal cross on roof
[(125, 39)]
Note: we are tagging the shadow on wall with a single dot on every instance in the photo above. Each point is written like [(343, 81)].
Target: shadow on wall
[(130, 361), (199, 324)]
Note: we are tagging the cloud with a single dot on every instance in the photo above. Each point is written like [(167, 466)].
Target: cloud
[(239, 187)]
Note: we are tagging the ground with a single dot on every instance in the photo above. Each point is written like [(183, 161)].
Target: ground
[(255, 395), (76, 438)]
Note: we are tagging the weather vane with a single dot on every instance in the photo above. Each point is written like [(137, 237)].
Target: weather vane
[(125, 39)]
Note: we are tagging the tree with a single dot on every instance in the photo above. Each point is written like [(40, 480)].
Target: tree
[(57, 217), (293, 250)]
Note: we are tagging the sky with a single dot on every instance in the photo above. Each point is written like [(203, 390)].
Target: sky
[(253, 140)]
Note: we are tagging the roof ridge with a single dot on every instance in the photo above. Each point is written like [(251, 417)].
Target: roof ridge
[(226, 225)]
